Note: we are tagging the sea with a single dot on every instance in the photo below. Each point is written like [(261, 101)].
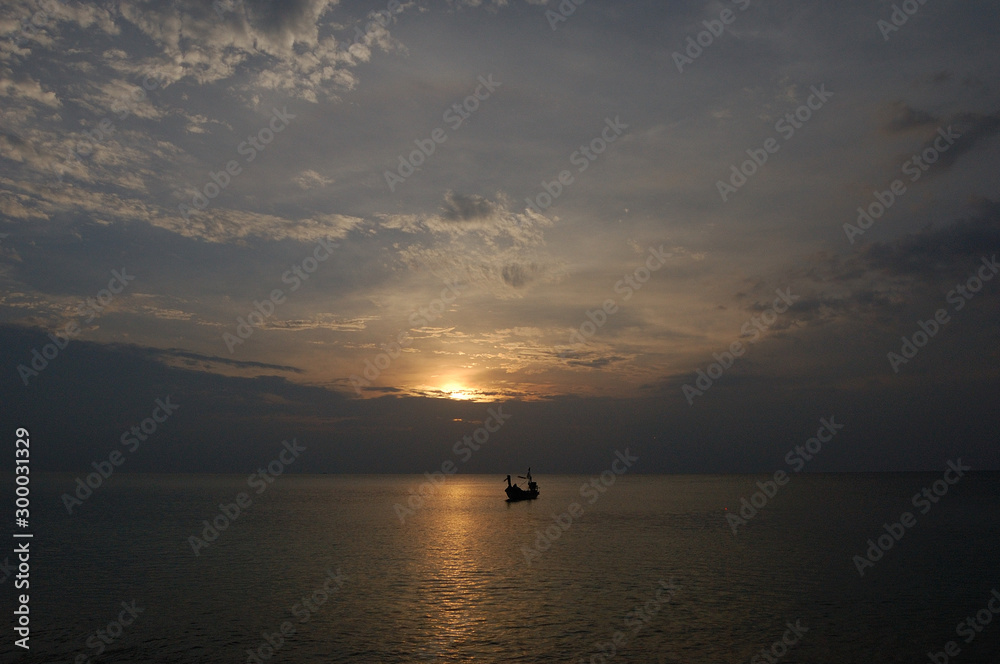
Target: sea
[(835, 568)]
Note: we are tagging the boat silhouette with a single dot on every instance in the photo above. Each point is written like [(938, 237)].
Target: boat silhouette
[(516, 493)]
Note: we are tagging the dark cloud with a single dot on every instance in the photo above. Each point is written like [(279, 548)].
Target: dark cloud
[(971, 128), (598, 362), (975, 129), (880, 275), (458, 207), (285, 16), (939, 250), (197, 359), (519, 275), (898, 116)]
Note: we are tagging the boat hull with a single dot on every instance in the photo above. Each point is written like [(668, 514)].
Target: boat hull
[(516, 494)]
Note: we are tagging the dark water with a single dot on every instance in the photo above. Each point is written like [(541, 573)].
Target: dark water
[(453, 584)]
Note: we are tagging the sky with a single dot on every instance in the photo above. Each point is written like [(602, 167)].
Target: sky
[(632, 224)]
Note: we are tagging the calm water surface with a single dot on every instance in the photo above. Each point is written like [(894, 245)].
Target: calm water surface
[(453, 583)]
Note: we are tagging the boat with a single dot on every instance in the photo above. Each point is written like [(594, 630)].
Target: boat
[(516, 493)]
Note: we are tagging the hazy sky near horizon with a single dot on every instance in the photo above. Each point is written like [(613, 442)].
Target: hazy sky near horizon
[(120, 119)]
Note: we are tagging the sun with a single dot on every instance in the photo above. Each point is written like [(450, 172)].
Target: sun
[(459, 392), (454, 386)]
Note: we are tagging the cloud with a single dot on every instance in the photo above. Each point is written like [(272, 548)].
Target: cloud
[(285, 45), (310, 179), (882, 281), (116, 99), (597, 363), (267, 45), (938, 250), (236, 226), (20, 206), (217, 225), (897, 116), (321, 322), (972, 128), (175, 356), (467, 208), (26, 88), (975, 128), (479, 241), (47, 20), (519, 275)]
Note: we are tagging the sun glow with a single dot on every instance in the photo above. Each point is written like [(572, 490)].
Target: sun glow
[(455, 391), (457, 387)]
